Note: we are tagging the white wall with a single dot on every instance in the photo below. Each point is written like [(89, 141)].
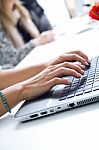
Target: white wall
[(55, 10), (58, 13), (76, 7)]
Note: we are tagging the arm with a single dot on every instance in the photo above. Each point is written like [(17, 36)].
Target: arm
[(28, 87), (30, 27), (13, 95), (13, 76), (39, 84)]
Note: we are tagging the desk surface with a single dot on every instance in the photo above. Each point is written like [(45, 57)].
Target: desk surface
[(76, 129)]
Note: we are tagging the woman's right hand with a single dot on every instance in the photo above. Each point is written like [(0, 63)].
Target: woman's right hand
[(72, 56), (51, 76)]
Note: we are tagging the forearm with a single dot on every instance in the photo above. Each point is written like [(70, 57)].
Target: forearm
[(30, 27), (13, 76), (34, 32), (13, 95)]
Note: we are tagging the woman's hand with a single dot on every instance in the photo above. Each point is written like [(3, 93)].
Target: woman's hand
[(72, 56), (48, 78), (44, 38)]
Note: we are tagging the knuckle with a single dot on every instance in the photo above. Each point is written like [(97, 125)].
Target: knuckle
[(77, 67), (47, 77), (73, 72), (62, 69), (51, 67), (65, 64), (62, 57), (56, 79), (75, 56), (78, 51)]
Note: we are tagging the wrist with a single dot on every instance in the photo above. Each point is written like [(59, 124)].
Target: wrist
[(21, 91), (13, 95), (35, 42)]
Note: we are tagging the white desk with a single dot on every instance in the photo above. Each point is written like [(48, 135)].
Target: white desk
[(76, 129)]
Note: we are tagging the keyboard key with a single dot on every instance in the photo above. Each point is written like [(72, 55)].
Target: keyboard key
[(71, 95), (64, 94), (87, 91), (88, 87), (62, 98), (89, 83), (96, 84), (79, 93), (96, 88)]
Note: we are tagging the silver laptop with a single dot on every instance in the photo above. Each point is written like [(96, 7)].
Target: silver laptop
[(82, 91)]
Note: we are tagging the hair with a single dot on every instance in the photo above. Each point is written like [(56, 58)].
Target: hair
[(6, 15)]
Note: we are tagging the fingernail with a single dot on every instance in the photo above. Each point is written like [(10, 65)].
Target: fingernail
[(82, 66), (78, 75), (82, 71), (86, 63)]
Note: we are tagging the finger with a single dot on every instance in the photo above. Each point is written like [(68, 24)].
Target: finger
[(68, 65), (79, 64), (57, 81), (75, 57), (50, 38), (63, 71), (73, 66), (80, 53)]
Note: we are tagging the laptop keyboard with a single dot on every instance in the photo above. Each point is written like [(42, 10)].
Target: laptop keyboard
[(87, 83)]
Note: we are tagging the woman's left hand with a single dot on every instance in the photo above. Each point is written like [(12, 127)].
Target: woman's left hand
[(43, 38)]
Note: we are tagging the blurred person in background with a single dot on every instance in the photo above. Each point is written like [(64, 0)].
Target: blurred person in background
[(12, 46), (14, 14), (38, 16)]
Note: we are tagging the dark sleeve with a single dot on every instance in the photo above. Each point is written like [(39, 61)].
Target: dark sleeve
[(33, 5)]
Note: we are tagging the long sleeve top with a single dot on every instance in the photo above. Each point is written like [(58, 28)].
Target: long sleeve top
[(10, 56)]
